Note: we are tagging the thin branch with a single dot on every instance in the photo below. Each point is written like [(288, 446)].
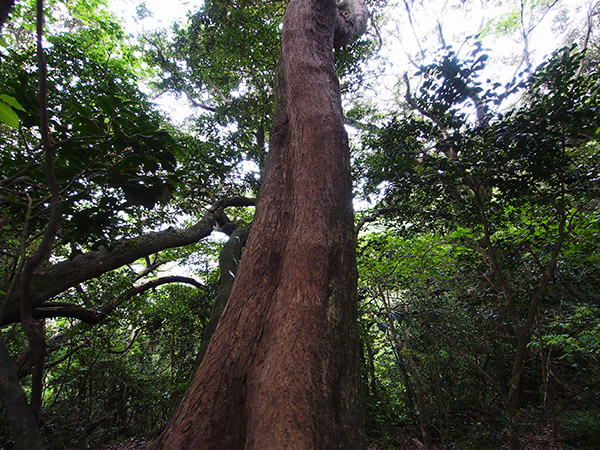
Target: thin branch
[(34, 334), (412, 25), (134, 335), (24, 171), (588, 32), (360, 126), (544, 14), (63, 309), (411, 102), (372, 217), (441, 34), (473, 362), (21, 363), (377, 33)]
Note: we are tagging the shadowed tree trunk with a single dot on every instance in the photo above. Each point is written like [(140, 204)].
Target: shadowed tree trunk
[(5, 7), (20, 417), (281, 370)]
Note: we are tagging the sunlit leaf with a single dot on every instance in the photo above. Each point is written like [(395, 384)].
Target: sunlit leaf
[(12, 102), (8, 116)]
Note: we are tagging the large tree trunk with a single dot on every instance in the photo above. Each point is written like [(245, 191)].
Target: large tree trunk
[(281, 370)]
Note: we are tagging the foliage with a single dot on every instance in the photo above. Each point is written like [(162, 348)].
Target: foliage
[(131, 373), (113, 156), (476, 203), (223, 61), (119, 166)]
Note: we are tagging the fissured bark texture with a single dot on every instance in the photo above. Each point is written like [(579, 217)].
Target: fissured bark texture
[(281, 370)]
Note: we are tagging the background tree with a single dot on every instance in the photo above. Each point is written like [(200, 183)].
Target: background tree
[(113, 162), (513, 189)]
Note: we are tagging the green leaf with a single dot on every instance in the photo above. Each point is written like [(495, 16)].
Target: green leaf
[(597, 130), (12, 102), (3, 42), (8, 116), (107, 104)]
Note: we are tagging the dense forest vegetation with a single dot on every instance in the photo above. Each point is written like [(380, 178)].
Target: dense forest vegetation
[(476, 186)]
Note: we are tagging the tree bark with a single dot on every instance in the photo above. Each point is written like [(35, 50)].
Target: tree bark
[(21, 418), (281, 370)]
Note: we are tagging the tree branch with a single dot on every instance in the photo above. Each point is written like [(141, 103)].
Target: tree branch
[(90, 316), (51, 280), (35, 334), (371, 218)]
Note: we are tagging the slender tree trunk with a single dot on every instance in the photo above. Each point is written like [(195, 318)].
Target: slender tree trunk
[(5, 8), (523, 331), (545, 378), (371, 365), (421, 399), (229, 259), (281, 369), (420, 395), (513, 390)]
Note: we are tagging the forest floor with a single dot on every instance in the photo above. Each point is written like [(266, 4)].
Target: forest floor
[(535, 438), (134, 443)]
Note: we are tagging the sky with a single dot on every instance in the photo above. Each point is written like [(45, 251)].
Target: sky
[(162, 13), (458, 18)]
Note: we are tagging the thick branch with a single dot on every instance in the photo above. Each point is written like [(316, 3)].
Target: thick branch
[(233, 201), (54, 279), (89, 316)]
